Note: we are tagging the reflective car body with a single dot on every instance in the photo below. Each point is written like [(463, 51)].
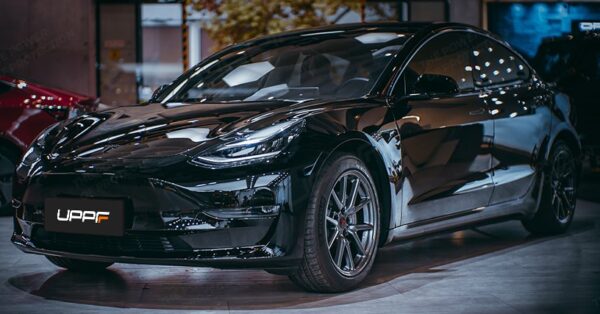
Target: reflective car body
[(26, 110), (439, 161)]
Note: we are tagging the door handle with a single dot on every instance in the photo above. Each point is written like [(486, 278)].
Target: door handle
[(477, 112)]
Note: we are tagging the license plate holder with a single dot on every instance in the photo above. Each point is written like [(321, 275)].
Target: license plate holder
[(85, 216)]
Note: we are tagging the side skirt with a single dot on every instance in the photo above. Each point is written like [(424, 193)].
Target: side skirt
[(516, 209)]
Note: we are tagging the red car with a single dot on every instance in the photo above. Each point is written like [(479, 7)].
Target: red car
[(26, 109)]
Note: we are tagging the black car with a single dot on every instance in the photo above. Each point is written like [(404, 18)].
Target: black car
[(573, 63), (302, 153)]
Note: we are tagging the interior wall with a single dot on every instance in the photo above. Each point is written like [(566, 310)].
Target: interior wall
[(162, 57), (206, 45), (466, 11), (426, 11), (53, 43), (49, 42)]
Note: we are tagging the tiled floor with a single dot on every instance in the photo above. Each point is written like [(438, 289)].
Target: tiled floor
[(494, 269)]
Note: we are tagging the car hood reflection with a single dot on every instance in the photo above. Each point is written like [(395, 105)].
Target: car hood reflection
[(158, 130)]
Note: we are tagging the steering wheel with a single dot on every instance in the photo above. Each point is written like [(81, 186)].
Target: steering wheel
[(353, 86)]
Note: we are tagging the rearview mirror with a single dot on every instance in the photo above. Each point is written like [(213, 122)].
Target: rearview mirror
[(435, 84)]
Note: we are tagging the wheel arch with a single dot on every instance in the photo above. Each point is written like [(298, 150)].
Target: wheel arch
[(573, 142), (11, 147), (364, 149), (570, 139)]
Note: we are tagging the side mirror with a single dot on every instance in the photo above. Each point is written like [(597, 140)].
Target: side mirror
[(434, 84), (159, 90)]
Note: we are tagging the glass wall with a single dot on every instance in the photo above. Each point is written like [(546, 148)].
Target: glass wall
[(162, 59), (117, 54), (141, 47), (143, 44), (406, 10), (525, 25)]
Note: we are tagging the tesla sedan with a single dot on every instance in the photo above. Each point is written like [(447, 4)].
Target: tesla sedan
[(304, 152)]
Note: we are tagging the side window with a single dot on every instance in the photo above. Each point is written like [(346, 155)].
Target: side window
[(496, 64), (445, 59)]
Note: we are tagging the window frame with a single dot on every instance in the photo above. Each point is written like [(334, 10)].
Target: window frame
[(518, 80), (398, 75)]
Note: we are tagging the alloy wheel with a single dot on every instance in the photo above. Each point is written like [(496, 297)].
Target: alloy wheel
[(351, 220)]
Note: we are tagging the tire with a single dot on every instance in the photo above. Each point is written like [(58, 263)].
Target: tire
[(8, 163), (333, 260), (78, 265), (557, 205)]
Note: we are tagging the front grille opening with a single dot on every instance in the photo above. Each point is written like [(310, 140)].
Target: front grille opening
[(135, 245)]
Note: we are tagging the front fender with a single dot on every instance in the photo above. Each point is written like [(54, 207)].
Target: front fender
[(371, 134)]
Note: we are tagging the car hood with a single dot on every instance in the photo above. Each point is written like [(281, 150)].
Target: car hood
[(159, 130)]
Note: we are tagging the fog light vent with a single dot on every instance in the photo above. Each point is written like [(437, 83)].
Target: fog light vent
[(252, 212)]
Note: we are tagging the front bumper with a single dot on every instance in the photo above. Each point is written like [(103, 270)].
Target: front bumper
[(261, 256), (227, 219)]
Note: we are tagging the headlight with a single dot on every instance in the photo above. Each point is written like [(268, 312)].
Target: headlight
[(31, 156), (251, 146), (34, 153)]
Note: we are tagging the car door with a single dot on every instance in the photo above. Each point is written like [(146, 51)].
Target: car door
[(518, 104), (445, 133)]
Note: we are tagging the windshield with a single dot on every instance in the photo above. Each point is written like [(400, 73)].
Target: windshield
[(335, 64)]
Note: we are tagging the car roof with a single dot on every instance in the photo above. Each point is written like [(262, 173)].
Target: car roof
[(416, 28), (390, 25)]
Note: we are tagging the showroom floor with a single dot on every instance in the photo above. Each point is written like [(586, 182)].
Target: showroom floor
[(493, 269)]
